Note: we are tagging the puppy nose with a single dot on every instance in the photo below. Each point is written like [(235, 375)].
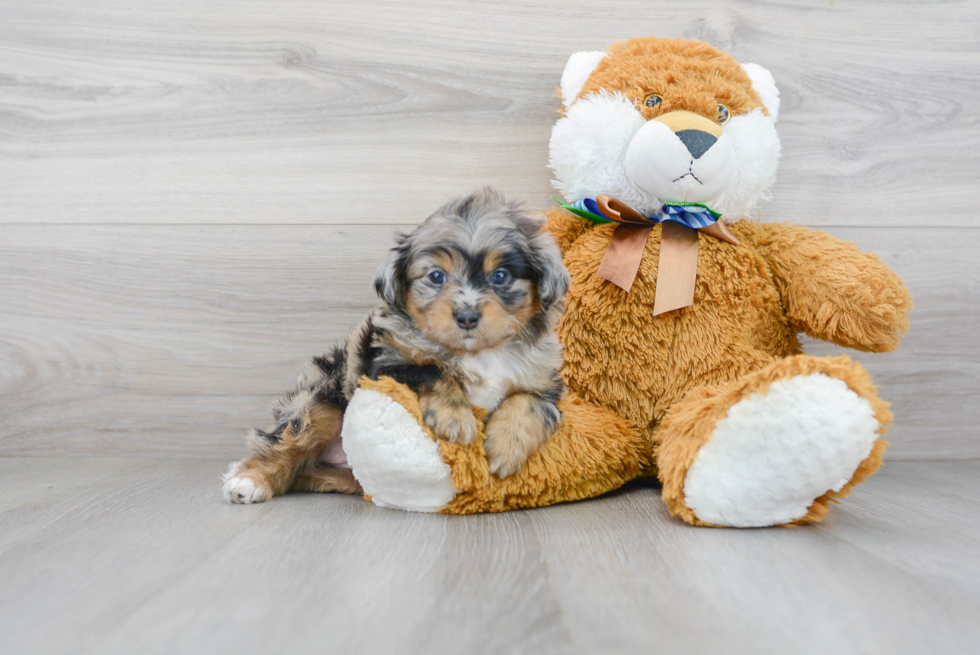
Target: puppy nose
[(696, 141), (467, 318)]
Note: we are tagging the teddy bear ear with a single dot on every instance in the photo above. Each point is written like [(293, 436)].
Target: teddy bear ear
[(580, 65), (765, 86)]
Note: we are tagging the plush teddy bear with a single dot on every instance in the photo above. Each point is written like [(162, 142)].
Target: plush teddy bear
[(680, 331)]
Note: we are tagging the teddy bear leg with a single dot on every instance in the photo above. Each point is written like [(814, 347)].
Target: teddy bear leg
[(773, 448)]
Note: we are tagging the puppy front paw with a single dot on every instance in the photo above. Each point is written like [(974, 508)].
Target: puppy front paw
[(504, 455), (515, 432), (449, 420)]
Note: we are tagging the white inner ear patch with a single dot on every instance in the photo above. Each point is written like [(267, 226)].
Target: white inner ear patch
[(774, 454), (765, 86), (577, 71)]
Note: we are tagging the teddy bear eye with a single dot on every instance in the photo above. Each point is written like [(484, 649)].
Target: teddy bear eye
[(653, 100), (723, 114)]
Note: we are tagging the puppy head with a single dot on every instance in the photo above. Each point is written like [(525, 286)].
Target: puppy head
[(475, 274)]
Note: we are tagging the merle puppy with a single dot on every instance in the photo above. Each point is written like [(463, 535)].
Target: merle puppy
[(470, 297)]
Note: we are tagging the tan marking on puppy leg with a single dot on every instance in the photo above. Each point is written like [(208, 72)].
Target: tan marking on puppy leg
[(448, 413), (515, 432), (272, 473), (321, 425), (327, 480)]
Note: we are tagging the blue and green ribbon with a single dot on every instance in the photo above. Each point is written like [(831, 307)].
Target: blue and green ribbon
[(692, 214)]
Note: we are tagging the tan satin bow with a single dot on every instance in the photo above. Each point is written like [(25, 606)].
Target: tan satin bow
[(678, 267)]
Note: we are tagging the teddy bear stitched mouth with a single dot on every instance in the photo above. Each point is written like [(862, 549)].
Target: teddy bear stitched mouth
[(690, 172)]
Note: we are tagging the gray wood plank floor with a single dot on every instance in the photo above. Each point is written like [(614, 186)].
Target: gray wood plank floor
[(141, 556)]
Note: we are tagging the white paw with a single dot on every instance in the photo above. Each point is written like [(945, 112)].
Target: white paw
[(242, 490), (774, 454)]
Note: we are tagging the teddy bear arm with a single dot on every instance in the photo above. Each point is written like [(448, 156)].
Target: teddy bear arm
[(833, 291), (565, 227)]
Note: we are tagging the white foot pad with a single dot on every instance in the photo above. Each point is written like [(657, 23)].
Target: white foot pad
[(397, 464), (774, 454)]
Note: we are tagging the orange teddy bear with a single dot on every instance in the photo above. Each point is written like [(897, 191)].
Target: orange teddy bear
[(680, 334)]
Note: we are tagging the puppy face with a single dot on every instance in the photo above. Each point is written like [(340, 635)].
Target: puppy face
[(475, 274), (468, 299)]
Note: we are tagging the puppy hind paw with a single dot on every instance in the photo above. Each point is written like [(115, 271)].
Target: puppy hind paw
[(243, 491)]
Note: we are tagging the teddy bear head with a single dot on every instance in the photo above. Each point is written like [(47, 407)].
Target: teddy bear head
[(666, 121)]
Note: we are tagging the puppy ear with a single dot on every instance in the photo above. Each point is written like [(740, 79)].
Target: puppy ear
[(388, 277), (577, 71), (765, 86), (553, 278)]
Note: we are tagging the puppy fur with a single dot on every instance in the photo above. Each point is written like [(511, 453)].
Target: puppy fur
[(469, 301)]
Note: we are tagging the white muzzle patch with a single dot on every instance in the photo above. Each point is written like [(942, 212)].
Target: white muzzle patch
[(664, 166)]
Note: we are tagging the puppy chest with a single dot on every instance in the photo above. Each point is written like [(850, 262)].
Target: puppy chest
[(489, 376)]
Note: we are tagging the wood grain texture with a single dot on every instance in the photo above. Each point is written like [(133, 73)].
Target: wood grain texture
[(141, 556), (174, 339), (297, 111), (193, 198)]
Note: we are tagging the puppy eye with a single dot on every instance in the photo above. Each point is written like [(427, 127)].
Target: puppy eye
[(723, 114), (500, 277), (437, 277), (653, 100)]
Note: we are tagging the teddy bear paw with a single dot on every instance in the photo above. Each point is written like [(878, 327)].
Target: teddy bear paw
[(396, 463), (776, 452)]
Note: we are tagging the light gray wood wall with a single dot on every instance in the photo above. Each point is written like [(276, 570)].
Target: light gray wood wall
[(193, 196)]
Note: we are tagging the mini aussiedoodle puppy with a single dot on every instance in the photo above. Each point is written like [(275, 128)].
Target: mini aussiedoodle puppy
[(470, 297)]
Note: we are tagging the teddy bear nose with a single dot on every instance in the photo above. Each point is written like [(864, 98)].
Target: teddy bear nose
[(467, 318), (697, 142)]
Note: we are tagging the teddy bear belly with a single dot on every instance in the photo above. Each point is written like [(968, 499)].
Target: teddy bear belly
[(642, 389), (618, 355)]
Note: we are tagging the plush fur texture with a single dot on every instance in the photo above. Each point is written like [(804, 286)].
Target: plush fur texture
[(750, 302), (717, 398)]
